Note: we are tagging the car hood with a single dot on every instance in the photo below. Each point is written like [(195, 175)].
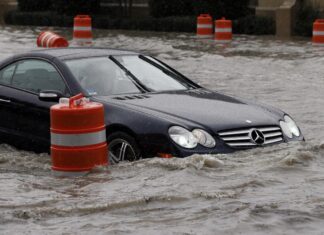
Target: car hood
[(200, 107)]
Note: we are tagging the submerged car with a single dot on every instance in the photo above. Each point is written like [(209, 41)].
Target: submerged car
[(150, 108)]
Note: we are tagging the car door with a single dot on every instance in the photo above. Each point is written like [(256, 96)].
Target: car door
[(29, 122), (6, 109)]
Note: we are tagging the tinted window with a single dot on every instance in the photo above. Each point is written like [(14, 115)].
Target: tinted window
[(6, 74), (37, 75), (101, 76)]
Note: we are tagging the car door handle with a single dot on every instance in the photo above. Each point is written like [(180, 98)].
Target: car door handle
[(5, 101)]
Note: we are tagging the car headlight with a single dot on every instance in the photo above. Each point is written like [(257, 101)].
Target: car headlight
[(289, 127), (190, 140), (183, 137), (204, 138)]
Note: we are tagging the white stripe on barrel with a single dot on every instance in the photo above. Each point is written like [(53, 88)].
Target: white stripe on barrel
[(49, 40), (318, 33), (81, 28), (78, 140), (83, 40), (44, 38), (223, 30), (204, 26)]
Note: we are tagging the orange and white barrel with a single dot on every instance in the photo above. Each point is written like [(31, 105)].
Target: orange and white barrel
[(223, 30), (205, 26), (78, 136), (82, 30), (50, 39), (318, 32)]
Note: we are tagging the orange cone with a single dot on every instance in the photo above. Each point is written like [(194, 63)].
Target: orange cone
[(50, 39), (205, 26), (223, 30), (82, 30), (78, 136), (318, 32)]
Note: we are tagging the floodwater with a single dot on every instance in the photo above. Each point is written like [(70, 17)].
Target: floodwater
[(275, 190)]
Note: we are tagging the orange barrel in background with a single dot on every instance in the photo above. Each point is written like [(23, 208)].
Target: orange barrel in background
[(223, 30), (78, 136), (318, 32), (50, 39), (82, 30), (205, 26)]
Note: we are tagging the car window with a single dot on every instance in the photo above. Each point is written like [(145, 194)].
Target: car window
[(100, 76), (6, 74), (151, 76), (36, 76)]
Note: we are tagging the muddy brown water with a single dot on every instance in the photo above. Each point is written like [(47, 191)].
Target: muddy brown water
[(275, 190)]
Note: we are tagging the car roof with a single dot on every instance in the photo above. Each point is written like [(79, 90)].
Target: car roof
[(75, 52)]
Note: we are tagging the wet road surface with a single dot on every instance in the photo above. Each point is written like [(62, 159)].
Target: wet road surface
[(274, 190)]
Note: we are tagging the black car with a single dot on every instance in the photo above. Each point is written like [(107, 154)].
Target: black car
[(150, 108)]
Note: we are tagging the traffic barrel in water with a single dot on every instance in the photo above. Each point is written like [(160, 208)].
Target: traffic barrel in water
[(223, 30), (82, 30), (50, 39), (318, 32), (78, 136), (205, 26)]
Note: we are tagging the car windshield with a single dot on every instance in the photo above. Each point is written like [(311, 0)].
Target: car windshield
[(115, 75)]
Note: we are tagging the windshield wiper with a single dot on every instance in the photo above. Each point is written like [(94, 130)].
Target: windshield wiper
[(134, 79), (170, 72)]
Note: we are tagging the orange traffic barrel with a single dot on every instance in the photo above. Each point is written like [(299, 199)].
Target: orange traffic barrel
[(82, 30), (223, 30), (50, 39), (205, 26), (78, 136), (318, 32)]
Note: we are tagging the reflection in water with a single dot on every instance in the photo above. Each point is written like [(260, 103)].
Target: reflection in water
[(271, 190)]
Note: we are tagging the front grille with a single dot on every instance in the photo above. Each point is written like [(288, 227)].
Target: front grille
[(242, 137)]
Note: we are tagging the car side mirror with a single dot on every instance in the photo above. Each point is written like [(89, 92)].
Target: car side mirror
[(52, 96)]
